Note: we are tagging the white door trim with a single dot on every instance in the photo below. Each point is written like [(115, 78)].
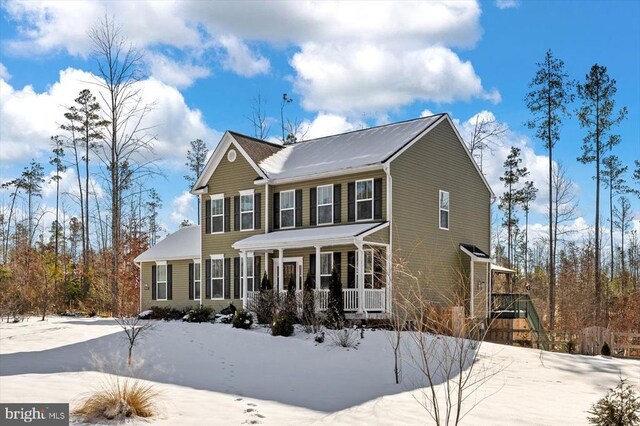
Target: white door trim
[(299, 263)]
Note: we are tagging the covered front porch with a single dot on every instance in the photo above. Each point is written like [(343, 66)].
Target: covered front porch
[(289, 256)]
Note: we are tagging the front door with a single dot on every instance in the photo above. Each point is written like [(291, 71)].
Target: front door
[(289, 275), (291, 271)]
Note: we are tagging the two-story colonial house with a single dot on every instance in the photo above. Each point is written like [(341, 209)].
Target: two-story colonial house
[(353, 201)]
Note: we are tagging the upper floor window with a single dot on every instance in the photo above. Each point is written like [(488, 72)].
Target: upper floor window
[(246, 210), (287, 208), (364, 199), (444, 210), (217, 213), (161, 281), (196, 280), (325, 204), (326, 267), (217, 276)]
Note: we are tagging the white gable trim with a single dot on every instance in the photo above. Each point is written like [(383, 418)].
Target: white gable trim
[(464, 146), (216, 157)]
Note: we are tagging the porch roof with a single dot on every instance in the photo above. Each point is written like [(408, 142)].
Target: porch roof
[(501, 269), (309, 237)]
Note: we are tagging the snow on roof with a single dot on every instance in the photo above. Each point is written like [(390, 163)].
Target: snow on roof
[(182, 244), (335, 235), (344, 151)]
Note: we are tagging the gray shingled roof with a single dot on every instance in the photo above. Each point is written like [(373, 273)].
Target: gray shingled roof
[(257, 149)]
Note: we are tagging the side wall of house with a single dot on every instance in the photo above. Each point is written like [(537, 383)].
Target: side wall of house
[(438, 162), (180, 284)]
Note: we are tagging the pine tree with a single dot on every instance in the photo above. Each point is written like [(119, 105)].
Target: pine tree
[(512, 196), (597, 115), (196, 160), (613, 180), (528, 196), (308, 301), (335, 309)]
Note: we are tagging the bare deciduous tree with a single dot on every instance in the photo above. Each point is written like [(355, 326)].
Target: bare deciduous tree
[(134, 328), (485, 131), (258, 117)]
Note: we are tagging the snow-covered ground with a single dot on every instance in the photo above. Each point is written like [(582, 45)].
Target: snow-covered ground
[(214, 374)]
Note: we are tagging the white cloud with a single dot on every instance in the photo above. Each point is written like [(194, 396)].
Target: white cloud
[(330, 124), (353, 77), (174, 73), (4, 73), (241, 60), (507, 4), (183, 207), (28, 119)]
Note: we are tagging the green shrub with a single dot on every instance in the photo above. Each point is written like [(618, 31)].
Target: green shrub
[(282, 326), (335, 311), (166, 313), (620, 407), (242, 319), (199, 314)]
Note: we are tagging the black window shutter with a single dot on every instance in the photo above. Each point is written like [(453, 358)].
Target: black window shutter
[(153, 282), (377, 198), (236, 277), (313, 203), (312, 266), (337, 203), (351, 202), (207, 212), (257, 211), (236, 213), (337, 262), (351, 269), (378, 277), (256, 272), (227, 214), (276, 210), (227, 278), (298, 208), (169, 281), (191, 281), (207, 274)]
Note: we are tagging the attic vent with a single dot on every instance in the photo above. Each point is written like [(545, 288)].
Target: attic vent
[(231, 155)]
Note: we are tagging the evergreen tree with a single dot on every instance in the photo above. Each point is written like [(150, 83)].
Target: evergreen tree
[(551, 93), (613, 180), (528, 196), (335, 310), (308, 301), (598, 116), (31, 181), (196, 160), (512, 196)]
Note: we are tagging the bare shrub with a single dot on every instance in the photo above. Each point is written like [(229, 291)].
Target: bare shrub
[(345, 338), (133, 328), (119, 398)]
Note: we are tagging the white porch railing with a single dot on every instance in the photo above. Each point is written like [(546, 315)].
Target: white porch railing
[(374, 299)]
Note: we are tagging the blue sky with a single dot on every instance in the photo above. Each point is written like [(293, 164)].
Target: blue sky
[(346, 65)]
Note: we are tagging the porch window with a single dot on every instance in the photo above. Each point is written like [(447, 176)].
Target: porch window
[(246, 210), (217, 213), (287, 208), (325, 204), (368, 268), (161, 281), (196, 280), (326, 266), (444, 210), (217, 276), (364, 199), (250, 274)]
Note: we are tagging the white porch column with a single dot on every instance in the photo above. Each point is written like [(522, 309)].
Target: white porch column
[(317, 277), (280, 285), (360, 273), (472, 285), (388, 273), (245, 289)]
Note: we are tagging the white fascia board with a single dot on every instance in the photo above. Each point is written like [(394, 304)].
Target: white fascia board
[(296, 244), (373, 230), (474, 257), (334, 173), (415, 139)]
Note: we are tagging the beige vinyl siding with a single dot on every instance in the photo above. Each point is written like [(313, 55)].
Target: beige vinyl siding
[(381, 236), (180, 286), (228, 179), (480, 289), (342, 180), (437, 162)]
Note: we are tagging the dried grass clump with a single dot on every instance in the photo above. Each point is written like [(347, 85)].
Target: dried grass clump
[(120, 397)]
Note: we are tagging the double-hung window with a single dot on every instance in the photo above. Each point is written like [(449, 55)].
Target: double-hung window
[(161, 281), (326, 267), (325, 204), (250, 274), (196, 280), (364, 199), (287, 208), (217, 213), (444, 209), (246, 210), (217, 276), (368, 268)]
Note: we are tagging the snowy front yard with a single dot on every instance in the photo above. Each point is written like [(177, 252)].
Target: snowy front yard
[(214, 374)]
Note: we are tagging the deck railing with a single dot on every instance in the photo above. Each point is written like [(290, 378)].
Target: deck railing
[(374, 299)]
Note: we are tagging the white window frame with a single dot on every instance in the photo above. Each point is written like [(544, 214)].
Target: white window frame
[(370, 273), (248, 193), (216, 257), (318, 205), (250, 277), (165, 282), (364, 199), (197, 283), (293, 209), (440, 210), (330, 254), (216, 197)]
